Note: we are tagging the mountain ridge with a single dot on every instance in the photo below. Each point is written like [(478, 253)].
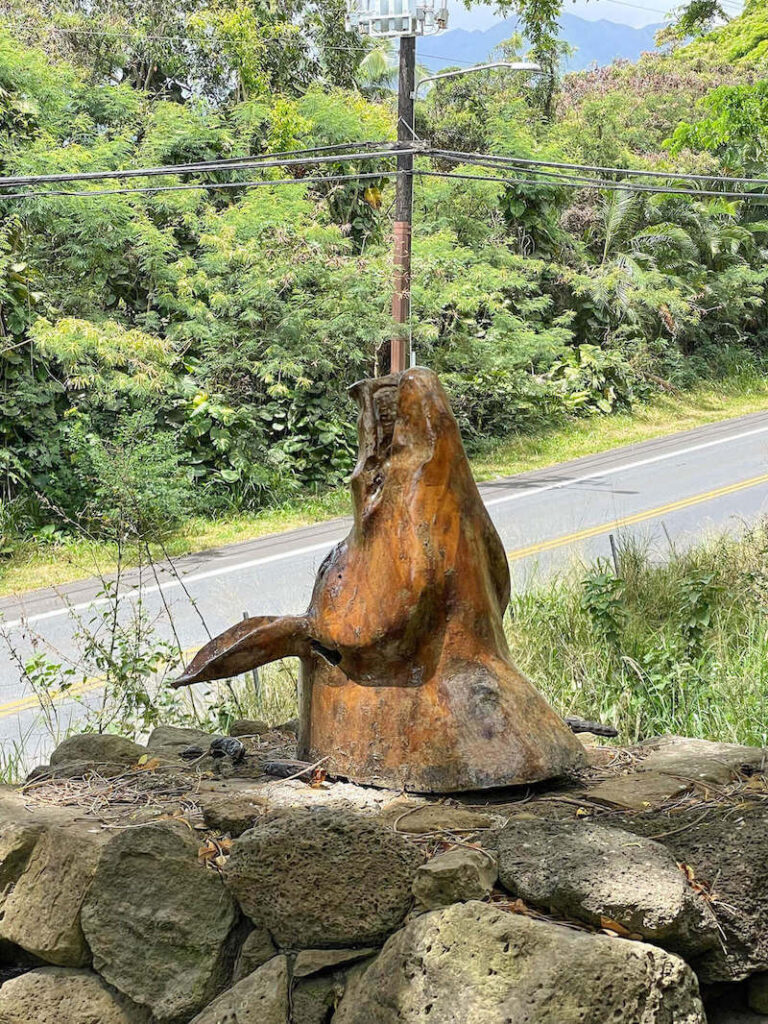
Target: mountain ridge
[(596, 42)]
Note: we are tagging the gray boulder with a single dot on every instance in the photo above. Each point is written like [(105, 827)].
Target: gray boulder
[(45, 872), (170, 740), (457, 875), (321, 878), (474, 963), (594, 873), (261, 998), (728, 854), (59, 995), (160, 924), (97, 748)]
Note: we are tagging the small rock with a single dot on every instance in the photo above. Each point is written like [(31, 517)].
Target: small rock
[(255, 951), (248, 727), (315, 997), (457, 875), (595, 873), (473, 962), (59, 995), (159, 923), (701, 760), (313, 961), (638, 791), (416, 819), (292, 726), (97, 748), (261, 998), (758, 992), (321, 878), (170, 740), (231, 812)]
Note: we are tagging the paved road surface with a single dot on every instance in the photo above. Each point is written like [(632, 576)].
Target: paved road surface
[(679, 487)]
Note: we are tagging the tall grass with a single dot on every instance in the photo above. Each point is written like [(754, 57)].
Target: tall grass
[(675, 646)]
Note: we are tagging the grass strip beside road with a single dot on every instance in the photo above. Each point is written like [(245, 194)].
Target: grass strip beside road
[(42, 565)]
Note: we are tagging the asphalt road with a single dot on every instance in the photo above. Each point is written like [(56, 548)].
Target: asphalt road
[(675, 489)]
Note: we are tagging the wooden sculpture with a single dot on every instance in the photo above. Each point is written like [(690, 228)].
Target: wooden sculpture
[(406, 676)]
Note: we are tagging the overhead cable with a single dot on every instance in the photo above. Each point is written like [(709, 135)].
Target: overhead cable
[(153, 189), (264, 162), (506, 161), (614, 186)]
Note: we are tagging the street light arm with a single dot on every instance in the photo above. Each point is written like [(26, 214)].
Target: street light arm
[(519, 65)]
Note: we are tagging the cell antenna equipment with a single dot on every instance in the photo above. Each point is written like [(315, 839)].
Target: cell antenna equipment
[(394, 18)]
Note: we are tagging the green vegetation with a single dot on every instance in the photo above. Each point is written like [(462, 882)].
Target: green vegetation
[(54, 556), (173, 364), (665, 645)]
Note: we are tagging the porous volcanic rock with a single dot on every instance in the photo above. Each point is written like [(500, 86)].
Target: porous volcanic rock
[(593, 872), (729, 853), (321, 878), (233, 810), (457, 875), (474, 964), (45, 871), (248, 727), (97, 748), (170, 740), (261, 998), (314, 997), (61, 995), (159, 924)]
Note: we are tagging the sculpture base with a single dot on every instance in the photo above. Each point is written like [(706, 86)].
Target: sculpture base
[(473, 726)]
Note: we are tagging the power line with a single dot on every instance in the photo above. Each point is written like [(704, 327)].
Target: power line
[(611, 186), (490, 159), (153, 189), (237, 163)]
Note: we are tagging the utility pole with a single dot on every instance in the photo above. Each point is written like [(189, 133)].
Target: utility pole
[(401, 299)]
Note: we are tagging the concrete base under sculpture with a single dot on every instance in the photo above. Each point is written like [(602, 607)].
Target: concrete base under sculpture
[(406, 676)]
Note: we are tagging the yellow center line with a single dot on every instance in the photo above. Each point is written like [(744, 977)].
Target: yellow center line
[(87, 685), (639, 517), (14, 707)]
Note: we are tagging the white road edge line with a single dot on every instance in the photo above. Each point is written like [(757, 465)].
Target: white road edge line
[(325, 545), (629, 465)]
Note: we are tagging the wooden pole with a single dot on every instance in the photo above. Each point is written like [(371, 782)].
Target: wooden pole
[(401, 299)]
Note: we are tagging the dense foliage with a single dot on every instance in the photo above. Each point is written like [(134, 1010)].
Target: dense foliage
[(177, 350)]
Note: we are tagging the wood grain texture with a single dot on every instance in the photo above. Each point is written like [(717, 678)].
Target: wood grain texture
[(406, 675)]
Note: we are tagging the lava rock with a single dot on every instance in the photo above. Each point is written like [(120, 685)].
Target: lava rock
[(248, 727), (60, 995), (594, 873), (171, 740), (97, 748), (323, 878), (45, 872), (473, 962), (261, 998), (159, 924), (231, 811), (730, 853), (455, 876)]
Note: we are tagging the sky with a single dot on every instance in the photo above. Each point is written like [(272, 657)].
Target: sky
[(628, 12)]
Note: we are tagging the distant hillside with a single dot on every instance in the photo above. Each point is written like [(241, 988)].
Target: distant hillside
[(596, 42)]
